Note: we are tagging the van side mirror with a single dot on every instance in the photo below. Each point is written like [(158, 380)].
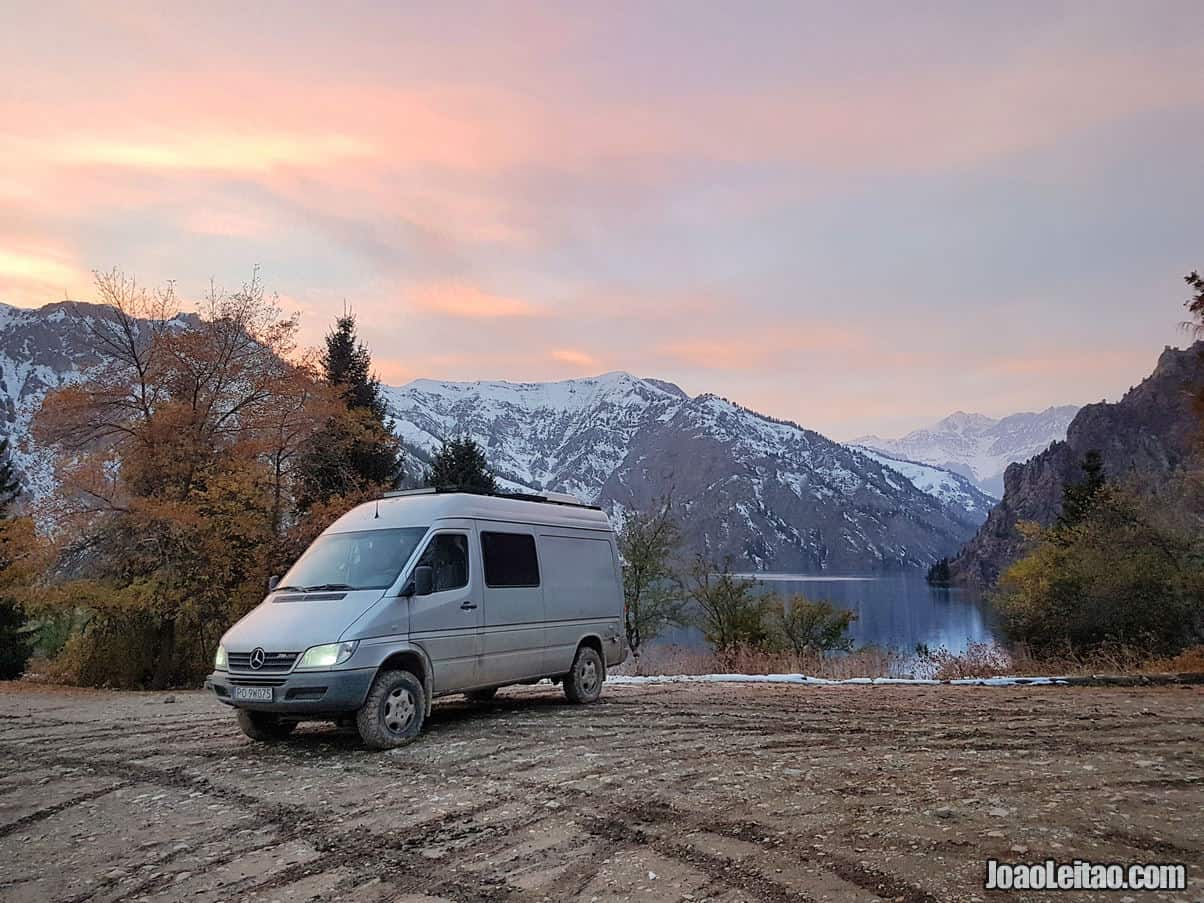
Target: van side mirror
[(273, 582), (423, 580)]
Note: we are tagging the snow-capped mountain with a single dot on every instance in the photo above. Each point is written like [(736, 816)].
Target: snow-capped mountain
[(952, 489), (769, 493), (977, 446), (40, 350)]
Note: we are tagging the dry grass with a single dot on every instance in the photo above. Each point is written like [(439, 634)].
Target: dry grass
[(979, 660)]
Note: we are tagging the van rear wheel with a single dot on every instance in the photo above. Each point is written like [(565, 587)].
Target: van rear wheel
[(583, 683), (263, 726), (393, 713)]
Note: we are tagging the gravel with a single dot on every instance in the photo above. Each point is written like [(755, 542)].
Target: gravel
[(682, 791)]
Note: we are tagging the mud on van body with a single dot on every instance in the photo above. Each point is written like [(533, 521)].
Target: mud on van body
[(426, 593)]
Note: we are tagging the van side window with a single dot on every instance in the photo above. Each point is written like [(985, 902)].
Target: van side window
[(510, 559), (447, 554)]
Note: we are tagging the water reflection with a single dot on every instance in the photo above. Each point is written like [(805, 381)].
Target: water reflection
[(892, 612)]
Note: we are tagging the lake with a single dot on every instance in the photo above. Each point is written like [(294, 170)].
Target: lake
[(894, 612)]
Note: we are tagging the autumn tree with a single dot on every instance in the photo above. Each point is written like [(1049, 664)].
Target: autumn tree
[(177, 462), (461, 464), (356, 453), (648, 544), (1129, 574)]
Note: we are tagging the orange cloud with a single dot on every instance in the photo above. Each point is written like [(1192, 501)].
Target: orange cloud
[(740, 349), (464, 301), (34, 275), (223, 151), (575, 357)]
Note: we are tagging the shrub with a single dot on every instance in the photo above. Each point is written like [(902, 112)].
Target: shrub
[(805, 626), (732, 613), (15, 646), (1123, 576), (652, 595)]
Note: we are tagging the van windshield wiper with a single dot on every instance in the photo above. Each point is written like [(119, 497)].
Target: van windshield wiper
[(324, 587), (288, 589)]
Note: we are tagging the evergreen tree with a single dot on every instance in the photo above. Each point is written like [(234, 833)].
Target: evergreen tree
[(939, 574), (346, 363), (1195, 304), (357, 450), (1079, 498), (14, 638), (461, 464), (10, 487)]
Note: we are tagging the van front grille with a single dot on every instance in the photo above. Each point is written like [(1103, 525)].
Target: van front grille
[(273, 662), (258, 681)]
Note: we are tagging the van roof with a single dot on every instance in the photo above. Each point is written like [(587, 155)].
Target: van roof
[(422, 507)]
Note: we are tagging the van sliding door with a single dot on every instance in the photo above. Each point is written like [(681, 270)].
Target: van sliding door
[(514, 605)]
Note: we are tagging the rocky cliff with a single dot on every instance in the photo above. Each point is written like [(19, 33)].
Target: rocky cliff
[(1143, 438)]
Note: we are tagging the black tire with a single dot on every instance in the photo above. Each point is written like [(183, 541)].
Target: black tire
[(485, 695), (393, 713), (264, 726), (583, 683)]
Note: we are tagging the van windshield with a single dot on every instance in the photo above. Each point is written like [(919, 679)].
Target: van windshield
[(368, 559)]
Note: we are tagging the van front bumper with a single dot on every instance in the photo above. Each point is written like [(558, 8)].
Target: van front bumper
[(299, 693)]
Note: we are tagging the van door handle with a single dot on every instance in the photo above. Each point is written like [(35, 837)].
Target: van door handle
[(467, 606)]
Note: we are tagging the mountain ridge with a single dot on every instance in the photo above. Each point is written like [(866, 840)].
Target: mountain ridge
[(766, 492), (977, 446), (1147, 435), (763, 490)]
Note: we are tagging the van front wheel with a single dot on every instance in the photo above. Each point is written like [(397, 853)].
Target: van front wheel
[(584, 682), (393, 713)]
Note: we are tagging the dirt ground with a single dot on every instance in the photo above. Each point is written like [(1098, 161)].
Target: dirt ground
[(658, 792)]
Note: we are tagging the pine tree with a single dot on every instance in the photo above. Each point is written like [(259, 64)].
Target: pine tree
[(10, 487), (1195, 304), (939, 574), (347, 364), (1079, 498), (461, 464), (14, 639), (356, 451)]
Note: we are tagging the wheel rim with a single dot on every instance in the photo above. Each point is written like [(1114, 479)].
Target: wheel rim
[(587, 676), (399, 710)]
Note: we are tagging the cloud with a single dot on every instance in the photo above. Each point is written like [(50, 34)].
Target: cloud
[(817, 215), (576, 357), (465, 301)]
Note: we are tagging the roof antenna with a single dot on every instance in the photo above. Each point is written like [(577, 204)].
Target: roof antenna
[(376, 516)]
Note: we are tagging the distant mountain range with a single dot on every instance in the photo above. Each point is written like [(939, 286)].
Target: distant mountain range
[(1144, 438), (977, 446), (768, 493)]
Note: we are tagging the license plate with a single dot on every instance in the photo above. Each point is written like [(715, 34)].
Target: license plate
[(253, 694)]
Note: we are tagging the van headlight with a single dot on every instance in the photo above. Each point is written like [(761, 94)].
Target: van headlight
[(219, 660), (326, 656)]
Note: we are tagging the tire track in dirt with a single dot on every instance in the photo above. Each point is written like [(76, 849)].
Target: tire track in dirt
[(42, 814), (297, 822)]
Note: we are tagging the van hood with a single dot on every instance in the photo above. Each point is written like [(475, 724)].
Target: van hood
[(292, 622)]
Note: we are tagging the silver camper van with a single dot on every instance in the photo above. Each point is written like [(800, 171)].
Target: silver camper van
[(425, 593)]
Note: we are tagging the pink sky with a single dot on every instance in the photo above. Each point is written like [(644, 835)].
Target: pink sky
[(839, 214)]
